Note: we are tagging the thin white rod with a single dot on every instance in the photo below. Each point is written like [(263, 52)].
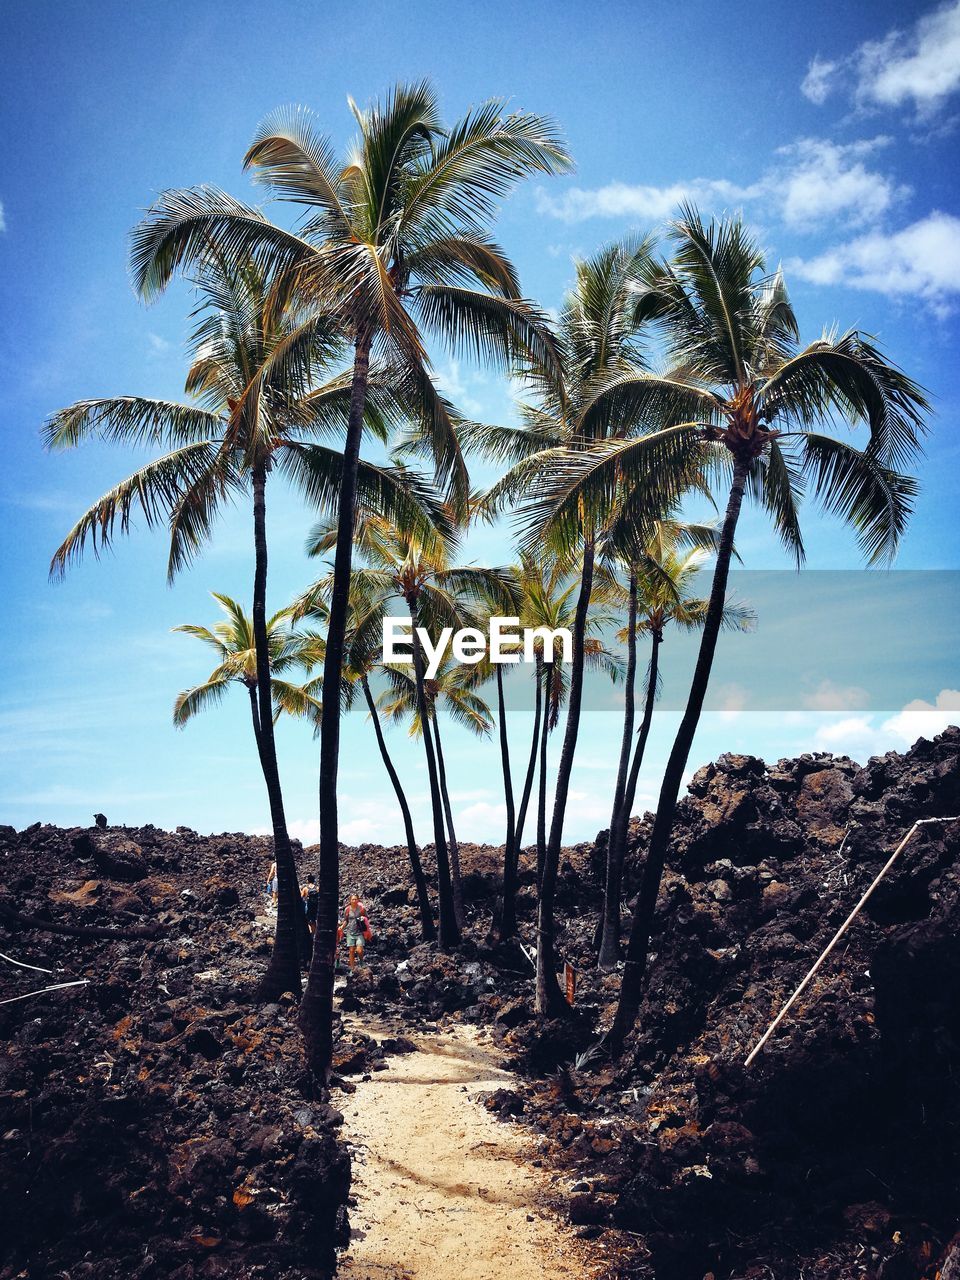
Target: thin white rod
[(837, 936), (23, 965), (58, 986)]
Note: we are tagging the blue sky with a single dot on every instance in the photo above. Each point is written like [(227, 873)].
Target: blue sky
[(834, 129)]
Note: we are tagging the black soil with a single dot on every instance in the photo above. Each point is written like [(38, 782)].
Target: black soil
[(158, 1124)]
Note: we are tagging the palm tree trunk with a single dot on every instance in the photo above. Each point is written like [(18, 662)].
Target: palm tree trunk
[(550, 1000), (542, 783), (449, 929), (617, 848), (532, 761), (505, 922), (428, 932), (283, 971), (456, 883), (636, 960), (623, 768), (316, 1009)]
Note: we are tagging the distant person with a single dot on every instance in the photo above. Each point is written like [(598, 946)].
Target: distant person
[(272, 882), (100, 820), (355, 930), (311, 903)]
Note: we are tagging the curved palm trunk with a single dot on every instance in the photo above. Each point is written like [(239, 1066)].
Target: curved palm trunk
[(449, 929), (505, 922), (456, 883), (626, 742), (617, 847), (283, 971), (636, 960), (316, 1009), (532, 761), (428, 932), (542, 784), (550, 1000)]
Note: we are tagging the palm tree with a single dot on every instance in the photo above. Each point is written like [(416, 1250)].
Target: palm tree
[(395, 240), (451, 688), (657, 594), (543, 589), (362, 662), (600, 330), (742, 394), (417, 570), (232, 638), (264, 382), (233, 641)]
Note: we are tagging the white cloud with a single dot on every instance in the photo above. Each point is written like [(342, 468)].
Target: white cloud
[(306, 830), (158, 346), (855, 736), (825, 181), (483, 820), (829, 696), (812, 181), (3, 217), (922, 259), (818, 83), (860, 737), (626, 200), (732, 700), (921, 719), (450, 379), (920, 66)]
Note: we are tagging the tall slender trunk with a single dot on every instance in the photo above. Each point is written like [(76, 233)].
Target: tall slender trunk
[(634, 971), (283, 971), (626, 744), (542, 781), (449, 929), (617, 846), (316, 1009), (428, 932), (505, 921), (456, 882), (532, 761), (550, 1000)]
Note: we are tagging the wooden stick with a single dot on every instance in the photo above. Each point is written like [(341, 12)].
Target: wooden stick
[(837, 936)]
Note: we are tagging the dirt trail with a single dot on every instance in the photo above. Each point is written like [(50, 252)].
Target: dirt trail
[(443, 1189)]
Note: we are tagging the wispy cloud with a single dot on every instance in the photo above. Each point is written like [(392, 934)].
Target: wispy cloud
[(920, 66), (823, 181), (454, 382), (926, 719), (638, 200), (818, 83), (917, 67), (157, 346), (830, 696), (860, 736), (810, 183), (922, 260)]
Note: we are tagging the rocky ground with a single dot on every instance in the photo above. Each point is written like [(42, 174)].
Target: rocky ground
[(155, 1123), (158, 1101), (835, 1155)]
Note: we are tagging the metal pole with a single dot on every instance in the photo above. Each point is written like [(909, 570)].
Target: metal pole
[(837, 936)]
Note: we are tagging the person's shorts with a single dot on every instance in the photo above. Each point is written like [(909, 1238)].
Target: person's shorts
[(273, 885), (355, 940)]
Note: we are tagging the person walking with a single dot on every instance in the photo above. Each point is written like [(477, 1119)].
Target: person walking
[(355, 929), (311, 903)]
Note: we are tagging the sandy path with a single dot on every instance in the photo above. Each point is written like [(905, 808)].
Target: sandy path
[(442, 1191)]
